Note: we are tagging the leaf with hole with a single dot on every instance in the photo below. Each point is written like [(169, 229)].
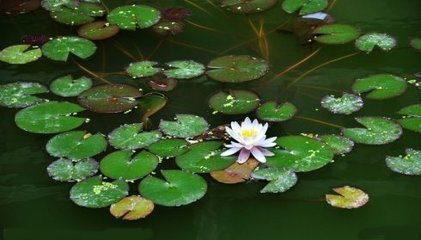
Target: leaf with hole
[(336, 33), (132, 208), (131, 16), (131, 136), (410, 164), (305, 6), (185, 126), (59, 48), (280, 180), (234, 102), (411, 119), (21, 94), (169, 147), (272, 112), (347, 104), (142, 69), (66, 86), (65, 170), (338, 144), (367, 42), (20, 54), (380, 86), (348, 197)]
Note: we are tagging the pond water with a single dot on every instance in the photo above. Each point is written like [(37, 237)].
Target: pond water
[(33, 206)]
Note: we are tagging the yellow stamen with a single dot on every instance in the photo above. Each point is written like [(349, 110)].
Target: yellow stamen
[(248, 132)]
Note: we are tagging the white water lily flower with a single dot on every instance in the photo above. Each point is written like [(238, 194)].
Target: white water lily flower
[(251, 139)]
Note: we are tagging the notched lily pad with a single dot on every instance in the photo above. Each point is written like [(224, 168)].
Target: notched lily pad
[(185, 126), (347, 104), (179, 188), (280, 180), (349, 198), (247, 6), (65, 170), (95, 193), (234, 101), (411, 119), (85, 12), (367, 42), (110, 98), (76, 145), (58, 49), (236, 173), (169, 147), (380, 86), (98, 30), (338, 144), (410, 164), (335, 33), (237, 68), (142, 69), (66, 86), (20, 54), (378, 131), (49, 117), (21, 94), (272, 112), (131, 136), (131, 16), (132, 208), (305, 6), (184, 69)]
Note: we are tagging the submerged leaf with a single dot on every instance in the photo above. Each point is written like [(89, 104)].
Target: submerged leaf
[(305, 6), (347, 104), (247, 6), (132, 208), (58, 49), (380, 86), (20, 94), (66, 86), (185, 126), (131, 16), (151, 103), (408, 165), (131, 136), (416, 43), (66, 170), (335, 33), (367, 42), (348, 197), (272, 112), (98, 30), (234, 101), (20, 54)]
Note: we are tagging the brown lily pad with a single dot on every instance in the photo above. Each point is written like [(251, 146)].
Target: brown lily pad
[(132, 208), (349, 197), (98, 30), (236, 173)]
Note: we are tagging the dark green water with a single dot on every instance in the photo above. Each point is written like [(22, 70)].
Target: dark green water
[(32, 206)]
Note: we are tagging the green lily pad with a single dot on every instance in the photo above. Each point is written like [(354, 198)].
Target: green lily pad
[(76, 145), (412, 117), (151, 103), (65, 170), (59, 48), (416, 43), (336, 33), (180, 188), (131, 136), (131, 16), (378, 131), (95, 193), (235, 69), (98, 30), (234, 101), (20, 94), (204, 157), (52, 5), (109, 98), (66, 86), (184, 69), (122, 165), (367, 42), (305, 6), (49, 117), (20, 54), (280, 180), (132, 208), (349, 198), (169, 147), (380, 86), (300, 154), (247, 6), (272, 112), (142, 69), (408, 165), (185, 126), (338, 144), (347, 104), (84, 13)]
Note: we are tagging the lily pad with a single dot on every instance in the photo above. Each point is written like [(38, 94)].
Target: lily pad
[(367, 42), (247, 6), (378, 131), (184, 69), (20, 54), (122, 165), (66, 86), (204, 157), (58, 49), (300, 154), (65, 170), (349, 197), (95, 193), (237, 68), (76, 145), (347, 104), (416, 43), (85, 12), (180, 188), (98, 30), (185, 126), (412, 117), (109, 98), (151, 103), (132, 208), (281, 180), (305, 6), (142, 69), (52, 5), (380, 86), (336, 33), (272, 112), (131, 16), (234, 102), (20, 94), (408, 165), (130, 136), (168, 27), (236, 173), (49, 117), (338, 144), (169, 147)]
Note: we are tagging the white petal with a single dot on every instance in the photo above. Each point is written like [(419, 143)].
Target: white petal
[(229, 131), (235, 127), (265, 128), (244, 156), (258, 155), (267, 142), (230, 151), (246, 123), (266, 152), (236, 144)]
